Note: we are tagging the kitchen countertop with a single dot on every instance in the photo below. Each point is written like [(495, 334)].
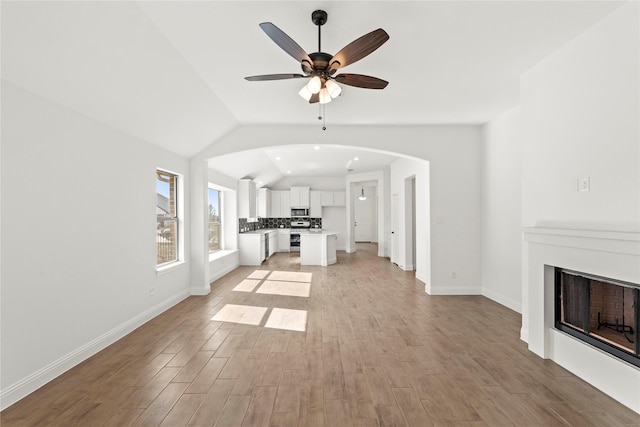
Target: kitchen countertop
[(263, 231), (318, 231)]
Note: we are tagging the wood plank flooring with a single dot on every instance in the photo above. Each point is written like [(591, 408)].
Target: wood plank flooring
[(376, 351)]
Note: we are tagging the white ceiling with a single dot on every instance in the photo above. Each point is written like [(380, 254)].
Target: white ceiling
[(171, 72), (266, 167)]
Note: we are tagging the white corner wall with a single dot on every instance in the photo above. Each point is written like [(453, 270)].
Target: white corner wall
[(500, 215), (581, 119), (78, 239), (400, 171)]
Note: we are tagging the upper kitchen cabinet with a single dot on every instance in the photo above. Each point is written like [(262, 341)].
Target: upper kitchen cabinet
[(315, 204), (333, 198), (280, 204), (264, 203), (246, 199), (299, 197)]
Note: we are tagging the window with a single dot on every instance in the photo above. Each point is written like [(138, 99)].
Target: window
[(167, 217), (215, 220)]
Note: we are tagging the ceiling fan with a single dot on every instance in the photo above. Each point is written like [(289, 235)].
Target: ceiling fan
[(320, 67)]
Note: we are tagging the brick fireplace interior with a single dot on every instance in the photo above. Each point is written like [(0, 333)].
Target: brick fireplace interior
[(599, 311)]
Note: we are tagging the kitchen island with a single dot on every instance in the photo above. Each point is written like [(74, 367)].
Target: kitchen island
[(318, 247)]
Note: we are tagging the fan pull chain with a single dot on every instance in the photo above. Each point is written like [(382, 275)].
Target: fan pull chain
[(324, 115)]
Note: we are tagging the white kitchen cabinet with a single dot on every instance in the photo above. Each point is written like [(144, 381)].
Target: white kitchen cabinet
[(264, 203), (285, 205), (251, 247), (273, 242), (246, 199), (280, 207), (284, 240), (276, 197), (326, 198), (315, 204), (299, 197), (333, 198)]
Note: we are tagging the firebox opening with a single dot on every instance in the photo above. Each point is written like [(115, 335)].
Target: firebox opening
[(600, 311)]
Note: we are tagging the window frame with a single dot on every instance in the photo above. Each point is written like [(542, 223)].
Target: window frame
[(220, 222), (175, 217)]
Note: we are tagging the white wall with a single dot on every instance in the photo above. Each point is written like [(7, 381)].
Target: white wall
[(500, 215), (454, 156), (580, 115), (78, 239), (401, 170)]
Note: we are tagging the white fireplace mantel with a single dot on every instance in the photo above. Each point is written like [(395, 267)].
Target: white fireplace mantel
[(612, 252)]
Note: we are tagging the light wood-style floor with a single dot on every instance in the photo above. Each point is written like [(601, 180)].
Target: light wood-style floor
[(377, 351)]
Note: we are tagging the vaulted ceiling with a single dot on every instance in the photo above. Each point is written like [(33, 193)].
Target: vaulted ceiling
[(171, 72)]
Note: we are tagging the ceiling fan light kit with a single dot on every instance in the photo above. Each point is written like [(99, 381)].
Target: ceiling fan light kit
[(319, 67)]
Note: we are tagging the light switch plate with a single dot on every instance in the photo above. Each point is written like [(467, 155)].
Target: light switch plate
[(584, 184)]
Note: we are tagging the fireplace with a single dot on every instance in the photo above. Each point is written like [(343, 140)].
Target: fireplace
[(603, 251), (600, 311)]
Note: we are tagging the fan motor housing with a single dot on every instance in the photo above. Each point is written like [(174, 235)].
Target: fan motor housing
[(320, 60)]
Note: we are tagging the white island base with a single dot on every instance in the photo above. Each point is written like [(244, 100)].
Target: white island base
[(318, 248)]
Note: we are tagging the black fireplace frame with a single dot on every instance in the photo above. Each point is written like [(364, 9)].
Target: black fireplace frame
[(627, 356)]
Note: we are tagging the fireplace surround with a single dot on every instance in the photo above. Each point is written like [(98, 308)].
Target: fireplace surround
[(601, 251)]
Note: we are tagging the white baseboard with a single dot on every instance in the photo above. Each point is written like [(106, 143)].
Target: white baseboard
[(500, 299), (454, 290), (524, 335), (218, 274), (34, 381)]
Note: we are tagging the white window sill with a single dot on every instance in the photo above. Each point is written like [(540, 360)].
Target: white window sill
[(169, 267), (221, 254)]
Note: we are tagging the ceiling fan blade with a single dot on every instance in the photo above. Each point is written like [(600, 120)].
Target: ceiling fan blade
[(360, 80), (358, 49), (314, 98), (286, 43), (265, 77)]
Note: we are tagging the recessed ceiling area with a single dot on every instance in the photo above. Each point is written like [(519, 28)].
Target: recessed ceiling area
[(267, 166)]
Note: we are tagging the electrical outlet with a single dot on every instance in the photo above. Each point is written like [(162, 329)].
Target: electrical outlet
[(152, 291), (584, 184), (454, 275)]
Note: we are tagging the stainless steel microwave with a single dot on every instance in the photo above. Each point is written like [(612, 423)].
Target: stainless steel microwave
[(299, 212)]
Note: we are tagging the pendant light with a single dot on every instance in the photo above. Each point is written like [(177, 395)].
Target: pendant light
[(362, 196)]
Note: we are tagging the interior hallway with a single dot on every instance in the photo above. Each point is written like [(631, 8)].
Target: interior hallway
[(375, 350)]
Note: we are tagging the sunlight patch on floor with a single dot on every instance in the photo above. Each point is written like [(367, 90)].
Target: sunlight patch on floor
[(291, 276), (244, 314), (247, 285), (259, 274), (293, 289), (290, 320)]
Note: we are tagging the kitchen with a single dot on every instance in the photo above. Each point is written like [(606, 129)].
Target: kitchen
[(271, 221)]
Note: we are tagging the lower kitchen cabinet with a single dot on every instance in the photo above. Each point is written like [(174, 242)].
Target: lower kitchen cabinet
[(284, 240), (256, 246), (273, 242)]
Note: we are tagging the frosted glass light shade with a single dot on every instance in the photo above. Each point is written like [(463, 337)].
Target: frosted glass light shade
[(325, 98), (333, 88), (315, 84), (362, 196), (305, 93)]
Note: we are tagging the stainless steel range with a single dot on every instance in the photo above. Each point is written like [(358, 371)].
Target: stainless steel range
[(298, 225)]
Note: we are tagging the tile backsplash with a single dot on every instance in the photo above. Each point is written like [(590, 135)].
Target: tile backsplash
[(262, 223)]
